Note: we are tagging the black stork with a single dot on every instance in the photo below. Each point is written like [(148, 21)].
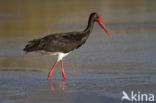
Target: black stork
[(61, 44)]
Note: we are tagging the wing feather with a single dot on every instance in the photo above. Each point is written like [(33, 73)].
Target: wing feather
[(64, 42)]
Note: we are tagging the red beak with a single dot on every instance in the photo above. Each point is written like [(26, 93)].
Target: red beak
[(102, 25)]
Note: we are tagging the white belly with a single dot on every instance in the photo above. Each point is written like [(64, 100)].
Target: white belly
[(59, 54)]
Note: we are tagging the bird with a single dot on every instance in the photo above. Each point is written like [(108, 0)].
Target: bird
[(61, 44)]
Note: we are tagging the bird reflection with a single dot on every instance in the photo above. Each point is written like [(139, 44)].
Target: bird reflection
[(56, 86)]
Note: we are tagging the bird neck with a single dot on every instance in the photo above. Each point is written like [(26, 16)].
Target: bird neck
[(89, 27)]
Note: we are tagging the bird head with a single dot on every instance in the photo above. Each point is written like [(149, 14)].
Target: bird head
[(96, 17)]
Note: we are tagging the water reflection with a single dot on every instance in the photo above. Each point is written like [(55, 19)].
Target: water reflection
[(57, 86)]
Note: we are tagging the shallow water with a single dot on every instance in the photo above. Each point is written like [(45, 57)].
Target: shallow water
[(98, 71)]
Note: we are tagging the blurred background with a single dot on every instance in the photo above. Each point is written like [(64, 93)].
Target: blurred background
[(98, 71)]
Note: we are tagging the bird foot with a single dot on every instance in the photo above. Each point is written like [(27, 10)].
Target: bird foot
[(48, 78), (50, 73), (64, 75)]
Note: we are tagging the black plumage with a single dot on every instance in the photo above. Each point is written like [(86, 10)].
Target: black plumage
[(62, 42), (59, 42)]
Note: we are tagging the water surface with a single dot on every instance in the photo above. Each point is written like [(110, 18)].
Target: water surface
[(98, 71)]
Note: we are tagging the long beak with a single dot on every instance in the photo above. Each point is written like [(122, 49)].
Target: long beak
[(102, 25)]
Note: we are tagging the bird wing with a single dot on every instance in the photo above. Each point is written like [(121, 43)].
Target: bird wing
[(64, 42), (59, 42)]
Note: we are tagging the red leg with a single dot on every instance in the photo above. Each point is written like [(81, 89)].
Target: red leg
[(63, 74), (51, 71)]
